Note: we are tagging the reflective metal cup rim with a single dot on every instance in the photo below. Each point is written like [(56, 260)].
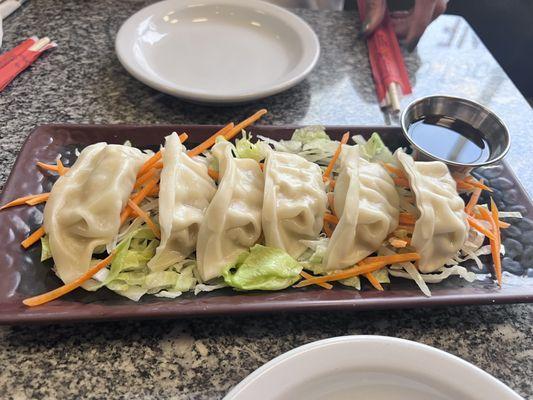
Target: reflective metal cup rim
[(480, 117)]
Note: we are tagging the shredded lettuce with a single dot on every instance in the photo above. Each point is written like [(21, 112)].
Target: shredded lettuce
[(46, 254), (310, 134), (317, 250), (354, 282), (202, 287), (246, 149), (381, 275), (262, 268), (310, 142), (130, 276), (440, 274), (374, 149)]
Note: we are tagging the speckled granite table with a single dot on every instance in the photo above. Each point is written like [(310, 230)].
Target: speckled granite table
[(82, 81)]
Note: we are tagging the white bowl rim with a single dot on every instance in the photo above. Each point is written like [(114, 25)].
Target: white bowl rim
[(302, 28), (462, 370)]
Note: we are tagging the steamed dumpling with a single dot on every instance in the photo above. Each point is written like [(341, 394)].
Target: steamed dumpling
[(233, 219), (367, 205), (83, 210), (441, 230), (294, 202), (185, 192)]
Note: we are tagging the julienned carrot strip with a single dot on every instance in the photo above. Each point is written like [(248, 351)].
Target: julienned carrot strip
[(144, 178), (403, 182), (394, 170), (374, 281), (38, 199), (206, 144), (158, 165), (242, 125), (145, 217), (407, 219), (408, 228), (47, 167), (486, 216), (473, 201), (480, 228), (33, 238), (137, 198), (148, 164), (392, 259), (471, 181), (61, 169), (359, 269), (21, 200), (154, 191), (495, 244), (213, 174), (327, 230), (461, 185), (336, 155), (69, 287), (333, 219), (309, 276)]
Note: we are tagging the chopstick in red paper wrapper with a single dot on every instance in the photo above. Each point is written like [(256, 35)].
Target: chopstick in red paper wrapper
[(388, 68), (10, 55), (21, 59)]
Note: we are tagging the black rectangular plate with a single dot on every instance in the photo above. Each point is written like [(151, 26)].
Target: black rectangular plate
[(24, 275)]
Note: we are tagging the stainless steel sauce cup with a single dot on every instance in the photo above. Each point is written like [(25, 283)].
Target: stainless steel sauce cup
[(474, 114)]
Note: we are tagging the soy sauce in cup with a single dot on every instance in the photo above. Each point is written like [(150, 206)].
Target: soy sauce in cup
[(450, 139), (459, 132)]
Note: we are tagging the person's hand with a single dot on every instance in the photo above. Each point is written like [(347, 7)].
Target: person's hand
[(409, 25)]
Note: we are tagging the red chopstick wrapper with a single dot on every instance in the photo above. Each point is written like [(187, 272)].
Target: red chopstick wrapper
[(13, 62), (386, 60), (8, 56)]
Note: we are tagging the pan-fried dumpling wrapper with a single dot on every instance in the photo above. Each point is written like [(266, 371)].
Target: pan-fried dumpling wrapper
[(442, 228), (83, 210), (185, 191), (294, 202), (233, 219), (367, 204)]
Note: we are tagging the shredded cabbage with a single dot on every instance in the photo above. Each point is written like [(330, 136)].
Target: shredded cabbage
[(262, 268), (246, 149), (443, 273), (374, 149), (311, 143), (202, 287), (354, 282), (46, 254)]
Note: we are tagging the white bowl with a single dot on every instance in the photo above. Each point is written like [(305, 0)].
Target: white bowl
[(369, 367), (217, 51)]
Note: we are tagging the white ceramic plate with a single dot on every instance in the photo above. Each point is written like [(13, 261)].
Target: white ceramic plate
[(217, 51), (369, 367)]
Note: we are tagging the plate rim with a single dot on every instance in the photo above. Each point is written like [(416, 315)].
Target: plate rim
[(352, 342), (191, 95)]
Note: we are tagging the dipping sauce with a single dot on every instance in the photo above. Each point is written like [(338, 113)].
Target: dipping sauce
[(450, 139)]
